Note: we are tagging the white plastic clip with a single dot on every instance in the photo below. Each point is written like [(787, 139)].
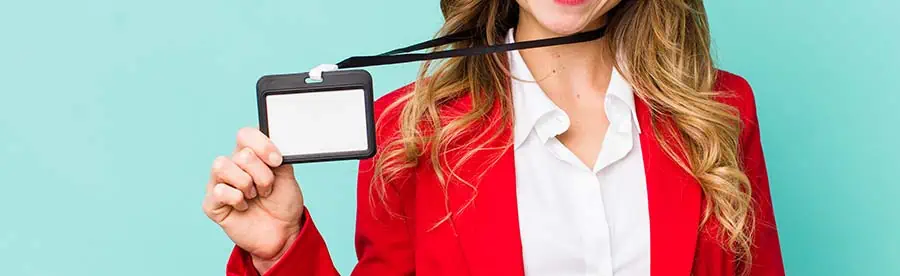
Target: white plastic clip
[(315, 74)]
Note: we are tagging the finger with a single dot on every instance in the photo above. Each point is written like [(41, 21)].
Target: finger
[(260, 144), (219, 204), (262, 175), (225, 195), (225, 171)]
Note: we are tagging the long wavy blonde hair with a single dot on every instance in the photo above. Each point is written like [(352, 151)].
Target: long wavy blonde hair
[(662, 47)]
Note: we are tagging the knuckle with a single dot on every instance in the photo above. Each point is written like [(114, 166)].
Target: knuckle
[(245, 133), (243, 156), (236, 158), (206, 211), (266, 179), (219, 164), (219, 191), (208, 206), (243, 181)]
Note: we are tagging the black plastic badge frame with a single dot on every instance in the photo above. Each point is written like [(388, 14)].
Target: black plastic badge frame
[(331, 81)]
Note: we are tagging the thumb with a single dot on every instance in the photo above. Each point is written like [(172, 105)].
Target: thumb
[(283, 171)]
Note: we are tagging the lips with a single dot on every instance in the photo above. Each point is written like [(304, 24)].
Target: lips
[(570, 2)]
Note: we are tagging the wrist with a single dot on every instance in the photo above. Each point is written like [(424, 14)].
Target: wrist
[(263, 265)]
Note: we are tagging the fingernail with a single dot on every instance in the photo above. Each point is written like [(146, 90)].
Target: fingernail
[(242, 206), (253, 192), (275, 159)]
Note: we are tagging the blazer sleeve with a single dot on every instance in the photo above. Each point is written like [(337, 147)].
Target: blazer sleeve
[(383, 241), (766, 250), (307, 255)]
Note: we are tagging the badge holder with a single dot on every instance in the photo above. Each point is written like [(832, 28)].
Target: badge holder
[(327, 115), (323, 115)]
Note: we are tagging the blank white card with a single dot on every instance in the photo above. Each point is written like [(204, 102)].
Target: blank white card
[(318, 122)]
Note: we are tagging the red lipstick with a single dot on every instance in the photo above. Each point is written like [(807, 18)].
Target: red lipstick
[(570, 2)]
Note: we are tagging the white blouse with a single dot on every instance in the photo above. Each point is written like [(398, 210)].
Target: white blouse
[(576, 220)]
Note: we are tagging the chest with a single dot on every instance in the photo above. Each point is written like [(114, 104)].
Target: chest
[(476, 221), (486, 226), (580, 220), (581, 122), (466, 219)]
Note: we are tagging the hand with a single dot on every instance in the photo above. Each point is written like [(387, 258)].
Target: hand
[(255, 198)]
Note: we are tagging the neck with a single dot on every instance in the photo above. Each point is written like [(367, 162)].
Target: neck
[(568, 68)]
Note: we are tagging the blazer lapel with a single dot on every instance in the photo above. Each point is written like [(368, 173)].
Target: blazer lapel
[(674, 198), (489, 228)]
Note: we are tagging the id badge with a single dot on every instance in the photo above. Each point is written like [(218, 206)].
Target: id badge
[(328, 120)]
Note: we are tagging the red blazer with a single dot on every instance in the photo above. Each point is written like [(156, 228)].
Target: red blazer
[(484, 238)]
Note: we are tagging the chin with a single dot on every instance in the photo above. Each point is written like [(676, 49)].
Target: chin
[(562, 25), (566, 17)]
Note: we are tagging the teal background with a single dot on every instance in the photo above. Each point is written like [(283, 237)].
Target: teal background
[(111, 113)]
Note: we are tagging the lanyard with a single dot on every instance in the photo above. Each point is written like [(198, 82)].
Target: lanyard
[(404, 55)]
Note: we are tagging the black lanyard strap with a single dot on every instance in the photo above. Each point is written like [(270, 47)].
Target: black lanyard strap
[(403, 55), (437, 42)]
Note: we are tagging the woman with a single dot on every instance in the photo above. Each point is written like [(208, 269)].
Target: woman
[(629, 155)]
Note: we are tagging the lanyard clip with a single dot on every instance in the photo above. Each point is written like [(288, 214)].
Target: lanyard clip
[(315, 74)]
